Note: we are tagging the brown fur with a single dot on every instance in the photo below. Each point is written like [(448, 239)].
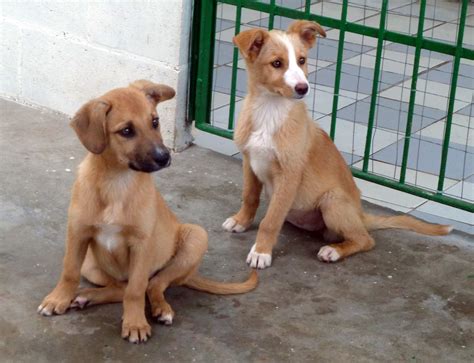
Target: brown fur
[(308, 175), (111, 204)]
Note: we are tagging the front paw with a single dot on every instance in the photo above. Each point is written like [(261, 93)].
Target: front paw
[(231, 225), (259, 260), (136, 330), (57, 302)]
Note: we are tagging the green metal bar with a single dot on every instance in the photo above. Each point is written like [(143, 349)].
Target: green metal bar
[(206, 61), (375, 85), (414, 80), (235, 60), (406, 39), (457, 203), (452, 97), (307, 8), (194, 60), (215, 130), (337, 81), (272, 15)]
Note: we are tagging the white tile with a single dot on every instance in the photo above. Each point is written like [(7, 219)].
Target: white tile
[(352, 38), (459, 134), (441, 89), (413, 177), (316, 115), (388, 195), (447, 212), (241, 64), (219, 99), (368, 60), (316, 64), (377, 4), (425, 62), (348, 94), (392, 206), (220, 117), (214, 142), (228, 34), (463, 190), (321, 97), (400, 23), (463, 120), (226, 12), (249, 15), (333, 10), (322, 101), (430, 99), (350, 137), (448, 33)]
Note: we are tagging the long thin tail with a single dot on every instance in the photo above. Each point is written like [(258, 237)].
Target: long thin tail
[(373, 222), (222, 288)]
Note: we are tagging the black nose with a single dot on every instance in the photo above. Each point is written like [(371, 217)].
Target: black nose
[(161, 156), (301, 89)]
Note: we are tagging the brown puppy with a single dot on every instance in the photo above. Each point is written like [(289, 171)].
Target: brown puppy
[(294, 160), (121, 234)]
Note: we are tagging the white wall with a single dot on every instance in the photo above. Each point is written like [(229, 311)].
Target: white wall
[(60, 54)]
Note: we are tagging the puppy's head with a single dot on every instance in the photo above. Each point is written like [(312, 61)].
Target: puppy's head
[(124, 124), (276, 60)]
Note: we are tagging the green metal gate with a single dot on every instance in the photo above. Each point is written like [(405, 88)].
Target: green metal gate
[(421, 51)]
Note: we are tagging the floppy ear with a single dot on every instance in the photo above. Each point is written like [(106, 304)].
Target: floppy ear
[(307, 31), (89, 124), (155, 92), (250, 42)]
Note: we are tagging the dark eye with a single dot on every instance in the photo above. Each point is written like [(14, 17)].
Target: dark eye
[(127, 132), (155, 122), (276, 64), (302, 60)]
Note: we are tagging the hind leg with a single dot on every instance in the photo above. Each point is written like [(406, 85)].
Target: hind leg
[(111, 292), (192, 245), (343, 218)]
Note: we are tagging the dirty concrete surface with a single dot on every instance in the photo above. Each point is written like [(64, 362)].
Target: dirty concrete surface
[(409, 299)]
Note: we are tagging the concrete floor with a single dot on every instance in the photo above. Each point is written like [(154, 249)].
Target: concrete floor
[(410, 299)]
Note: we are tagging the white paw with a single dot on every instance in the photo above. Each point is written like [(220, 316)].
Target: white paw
[(79, 302), (328, 254), (166, 319), (44, 311), (231, 225), (259, 260)]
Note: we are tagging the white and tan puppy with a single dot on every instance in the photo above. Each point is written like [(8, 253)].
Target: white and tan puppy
[(121, 235), (294, 160)]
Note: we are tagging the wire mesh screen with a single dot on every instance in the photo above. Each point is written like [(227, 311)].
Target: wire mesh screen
[(362, 79)]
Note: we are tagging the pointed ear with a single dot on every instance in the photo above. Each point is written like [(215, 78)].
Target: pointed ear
[(155, 92), (307, 31), (89, 124), (250, 42)]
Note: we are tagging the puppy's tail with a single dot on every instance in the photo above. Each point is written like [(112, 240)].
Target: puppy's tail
[(373, 222), (222, 288)]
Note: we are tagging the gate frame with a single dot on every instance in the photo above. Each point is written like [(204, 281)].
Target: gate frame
[(203, 40)]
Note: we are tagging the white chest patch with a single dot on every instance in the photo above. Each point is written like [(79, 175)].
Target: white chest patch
[(109, 236), (269, 112)]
